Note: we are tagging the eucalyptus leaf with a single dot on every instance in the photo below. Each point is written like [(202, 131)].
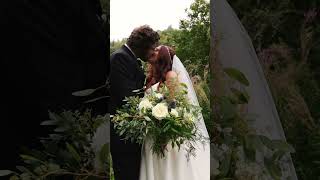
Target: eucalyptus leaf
[(282, 145), (88, 92), (184, 85), (49, 122), (25, 176), (166, 128), (266, 141), (5, 172), (254, 142), (61, 129), (136, 90), (85, 92), (73, 152), (122, 132), (273, 169), (55, 117), (25, 170), (237, 75), (227, 109), (174, 130), (147, 118), (242, 97), (31, 158), (96, 99), (278, 155), (250, 153)]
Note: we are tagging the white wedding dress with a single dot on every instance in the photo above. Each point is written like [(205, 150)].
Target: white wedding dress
[(175, 165)]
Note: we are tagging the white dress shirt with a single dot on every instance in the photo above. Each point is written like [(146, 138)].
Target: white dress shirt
[(130, 50)]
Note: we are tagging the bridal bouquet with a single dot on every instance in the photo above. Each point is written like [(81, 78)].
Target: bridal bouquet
[(164, 116)]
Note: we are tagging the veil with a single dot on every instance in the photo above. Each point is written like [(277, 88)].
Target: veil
[(234, 49), (184, 77)]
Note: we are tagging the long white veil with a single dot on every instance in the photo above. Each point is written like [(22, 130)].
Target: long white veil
[(184, 77), (235, 49)]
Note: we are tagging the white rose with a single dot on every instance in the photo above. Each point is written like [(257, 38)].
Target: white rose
[(145, 104), (158, 95), (160, 111), (174, 113), (188, 116)]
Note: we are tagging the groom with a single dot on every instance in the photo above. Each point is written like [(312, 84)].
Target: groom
[(127, 75)]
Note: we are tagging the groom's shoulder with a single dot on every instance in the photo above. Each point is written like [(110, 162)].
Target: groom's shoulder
[(116, 54), (119, 54)]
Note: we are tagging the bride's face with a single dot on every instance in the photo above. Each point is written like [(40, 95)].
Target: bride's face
[(154, 56)]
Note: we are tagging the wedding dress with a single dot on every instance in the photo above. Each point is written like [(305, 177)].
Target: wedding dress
[(175, 165)]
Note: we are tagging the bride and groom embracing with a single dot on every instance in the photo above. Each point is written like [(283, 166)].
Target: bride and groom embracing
[(132, 161)]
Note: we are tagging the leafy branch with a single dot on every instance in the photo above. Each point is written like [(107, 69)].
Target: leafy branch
[(238, 151), (68, 152)]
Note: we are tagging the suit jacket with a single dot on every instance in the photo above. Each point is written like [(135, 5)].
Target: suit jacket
[(126, 75)]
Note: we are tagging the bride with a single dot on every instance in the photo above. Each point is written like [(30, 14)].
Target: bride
[(164, 65)]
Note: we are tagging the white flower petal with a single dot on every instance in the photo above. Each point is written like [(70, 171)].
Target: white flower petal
[(160, 111), (174, 113)]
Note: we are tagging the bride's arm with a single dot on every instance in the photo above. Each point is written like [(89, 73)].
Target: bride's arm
[(172, 82)]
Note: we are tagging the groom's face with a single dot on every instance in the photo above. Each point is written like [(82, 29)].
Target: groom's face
[(153, 58), (149, 52)]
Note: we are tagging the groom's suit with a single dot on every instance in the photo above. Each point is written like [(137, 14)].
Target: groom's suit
[(126, 75)]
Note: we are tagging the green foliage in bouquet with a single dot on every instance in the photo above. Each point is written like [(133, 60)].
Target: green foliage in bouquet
[(165, 121), (238, 151), (67, 153)]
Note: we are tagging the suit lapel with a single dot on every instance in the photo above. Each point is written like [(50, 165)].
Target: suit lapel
[(133, 57), (140, 72), (124, 48)]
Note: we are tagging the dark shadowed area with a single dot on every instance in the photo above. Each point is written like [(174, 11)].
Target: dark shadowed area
[(51, 49)]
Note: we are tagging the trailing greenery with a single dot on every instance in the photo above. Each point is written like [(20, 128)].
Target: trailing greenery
[(238, 151), (67, 152)]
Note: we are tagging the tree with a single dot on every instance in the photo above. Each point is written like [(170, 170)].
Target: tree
[(193, 42)]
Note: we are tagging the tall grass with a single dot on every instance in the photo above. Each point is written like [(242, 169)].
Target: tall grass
[(201, 84)]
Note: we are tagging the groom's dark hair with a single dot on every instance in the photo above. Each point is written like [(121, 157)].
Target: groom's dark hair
[(143, 37)]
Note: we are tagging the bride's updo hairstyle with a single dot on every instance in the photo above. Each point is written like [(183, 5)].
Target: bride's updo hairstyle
[(158, 70)]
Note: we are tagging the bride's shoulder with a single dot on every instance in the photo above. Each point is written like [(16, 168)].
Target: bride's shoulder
[(171, 74)]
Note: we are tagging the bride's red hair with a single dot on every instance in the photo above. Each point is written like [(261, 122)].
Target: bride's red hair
[(158, 70)]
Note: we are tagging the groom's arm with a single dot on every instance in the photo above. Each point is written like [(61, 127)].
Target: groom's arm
[(121, 84)]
